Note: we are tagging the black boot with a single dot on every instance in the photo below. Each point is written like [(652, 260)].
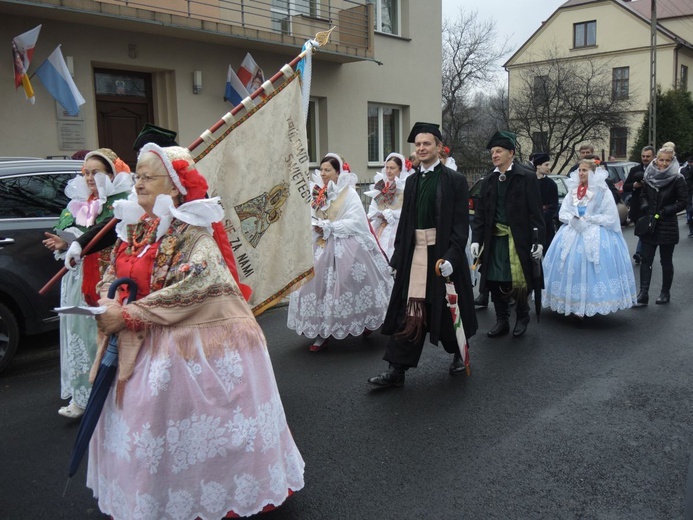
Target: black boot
[(502, 326), (645, 276), (481, 301), (457, 366), (522, 313), (393, 377), (667, 279), (690, 229)]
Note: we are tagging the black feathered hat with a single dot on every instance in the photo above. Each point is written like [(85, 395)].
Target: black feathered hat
[(155, 134), (504, 139)]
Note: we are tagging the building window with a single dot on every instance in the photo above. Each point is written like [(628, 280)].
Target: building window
[(618, 144), (540, 93), (619, 86), (386, 15), (539, 142), (383, 132), (684, 77), (313, 133), (584, 34), (283, 10)]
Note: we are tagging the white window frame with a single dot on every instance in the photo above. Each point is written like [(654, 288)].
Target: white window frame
[(397, 139), (293, 9), (377, 7), (314, 117)]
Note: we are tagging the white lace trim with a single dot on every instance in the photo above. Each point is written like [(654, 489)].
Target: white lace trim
[(154, 148), (202, 213), (77, 188)]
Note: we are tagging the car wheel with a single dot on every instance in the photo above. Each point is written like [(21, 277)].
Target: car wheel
[(9, 336)]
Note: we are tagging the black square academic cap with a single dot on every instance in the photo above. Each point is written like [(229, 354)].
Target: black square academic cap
[(155, 134), (540, 158), (424, 128)]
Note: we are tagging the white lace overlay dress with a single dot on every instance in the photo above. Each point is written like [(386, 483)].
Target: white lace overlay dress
[(201, 429), (351, 287), (587, 268)]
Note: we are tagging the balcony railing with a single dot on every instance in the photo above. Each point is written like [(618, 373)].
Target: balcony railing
[(280, 21)]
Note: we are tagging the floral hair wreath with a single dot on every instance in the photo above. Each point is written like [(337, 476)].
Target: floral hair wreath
[(172, 168)]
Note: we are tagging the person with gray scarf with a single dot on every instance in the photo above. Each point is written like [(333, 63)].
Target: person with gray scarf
[(663, 194)]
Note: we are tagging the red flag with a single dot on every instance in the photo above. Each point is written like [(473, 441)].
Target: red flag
[(22, 52)]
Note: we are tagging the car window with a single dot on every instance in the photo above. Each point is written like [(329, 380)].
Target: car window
[(562, 190), (613, 173), (33, 195)]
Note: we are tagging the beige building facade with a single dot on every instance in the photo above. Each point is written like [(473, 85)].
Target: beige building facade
[(615, 35), (379, 74)]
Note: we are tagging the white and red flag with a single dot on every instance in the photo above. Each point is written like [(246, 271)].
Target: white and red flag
[(22, 52), (250, 74)]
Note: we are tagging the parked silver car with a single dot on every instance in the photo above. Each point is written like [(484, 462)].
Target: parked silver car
[(31, 199)]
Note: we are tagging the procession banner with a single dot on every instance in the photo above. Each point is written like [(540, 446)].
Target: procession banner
[(259, 168)]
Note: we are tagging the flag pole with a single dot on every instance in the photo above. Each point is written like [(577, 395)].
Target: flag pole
[(322, 38)]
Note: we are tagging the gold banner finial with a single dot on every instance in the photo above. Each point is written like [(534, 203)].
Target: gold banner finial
[(323, 37)]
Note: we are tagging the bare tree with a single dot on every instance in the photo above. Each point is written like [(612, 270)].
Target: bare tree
[(471, 56), (559, 103)]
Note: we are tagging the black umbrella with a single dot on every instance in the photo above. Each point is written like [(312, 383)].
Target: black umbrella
[(99, 390), (537, 276)]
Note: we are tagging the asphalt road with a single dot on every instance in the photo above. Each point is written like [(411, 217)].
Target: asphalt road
[(573, 420)]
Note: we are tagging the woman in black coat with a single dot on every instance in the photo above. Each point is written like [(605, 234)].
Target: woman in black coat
[(663, 194)]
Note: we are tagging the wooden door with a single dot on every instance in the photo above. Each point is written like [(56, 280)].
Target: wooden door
[(123, 106)]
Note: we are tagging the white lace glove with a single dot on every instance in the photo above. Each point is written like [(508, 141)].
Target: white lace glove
[(326, 227), (74, 253), (474, 249), (446, 269), (578, 224), (537, 250), (387, 215)]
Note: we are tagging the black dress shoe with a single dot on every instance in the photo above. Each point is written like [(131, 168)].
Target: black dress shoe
[(521, 326), (392, 377), (501, 328), (481, 301), (663, 298), (457, 366)]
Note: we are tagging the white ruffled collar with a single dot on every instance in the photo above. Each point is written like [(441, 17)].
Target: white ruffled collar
[(344, 180), (380, 176), (77, 189), (201, 213)]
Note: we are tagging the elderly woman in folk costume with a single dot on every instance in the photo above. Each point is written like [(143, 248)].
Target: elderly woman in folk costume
[(105, 178), (194, 427), (587, 268), (386, 206), (352, 284)]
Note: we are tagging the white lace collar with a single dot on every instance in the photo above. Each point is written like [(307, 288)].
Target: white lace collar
[(201, 212), (77, 189), (344, 180)]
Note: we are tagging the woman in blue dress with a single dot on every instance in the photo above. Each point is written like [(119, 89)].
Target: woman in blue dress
[(587, 268)]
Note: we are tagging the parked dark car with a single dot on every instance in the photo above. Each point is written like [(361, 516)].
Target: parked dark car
[(31, 199), (618, 172)]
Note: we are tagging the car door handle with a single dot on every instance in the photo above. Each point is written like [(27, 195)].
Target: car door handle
[(6, 241)]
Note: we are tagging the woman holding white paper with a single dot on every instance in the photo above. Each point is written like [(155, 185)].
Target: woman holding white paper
[(105, 178)]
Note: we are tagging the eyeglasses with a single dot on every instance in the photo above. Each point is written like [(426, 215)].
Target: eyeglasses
[(146, 179)]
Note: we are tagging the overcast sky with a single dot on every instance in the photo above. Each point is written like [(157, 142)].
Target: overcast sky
[(516, 18)]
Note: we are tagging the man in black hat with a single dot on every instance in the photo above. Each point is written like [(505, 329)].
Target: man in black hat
[(433, 227), (548, 192), (687, 172), (508, 209)]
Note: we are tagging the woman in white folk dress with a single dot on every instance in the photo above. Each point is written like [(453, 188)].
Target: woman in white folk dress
[(194, 426), (386, 204), (352, 283)]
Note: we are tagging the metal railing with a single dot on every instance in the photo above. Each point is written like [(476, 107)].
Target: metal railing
[(296, 18)]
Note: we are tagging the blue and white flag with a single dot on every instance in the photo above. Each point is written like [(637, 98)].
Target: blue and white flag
[(56, 77), (235, 90)]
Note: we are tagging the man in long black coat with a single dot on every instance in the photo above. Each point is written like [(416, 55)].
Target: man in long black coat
[(508, 209), (632, 185), (435, 201)]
